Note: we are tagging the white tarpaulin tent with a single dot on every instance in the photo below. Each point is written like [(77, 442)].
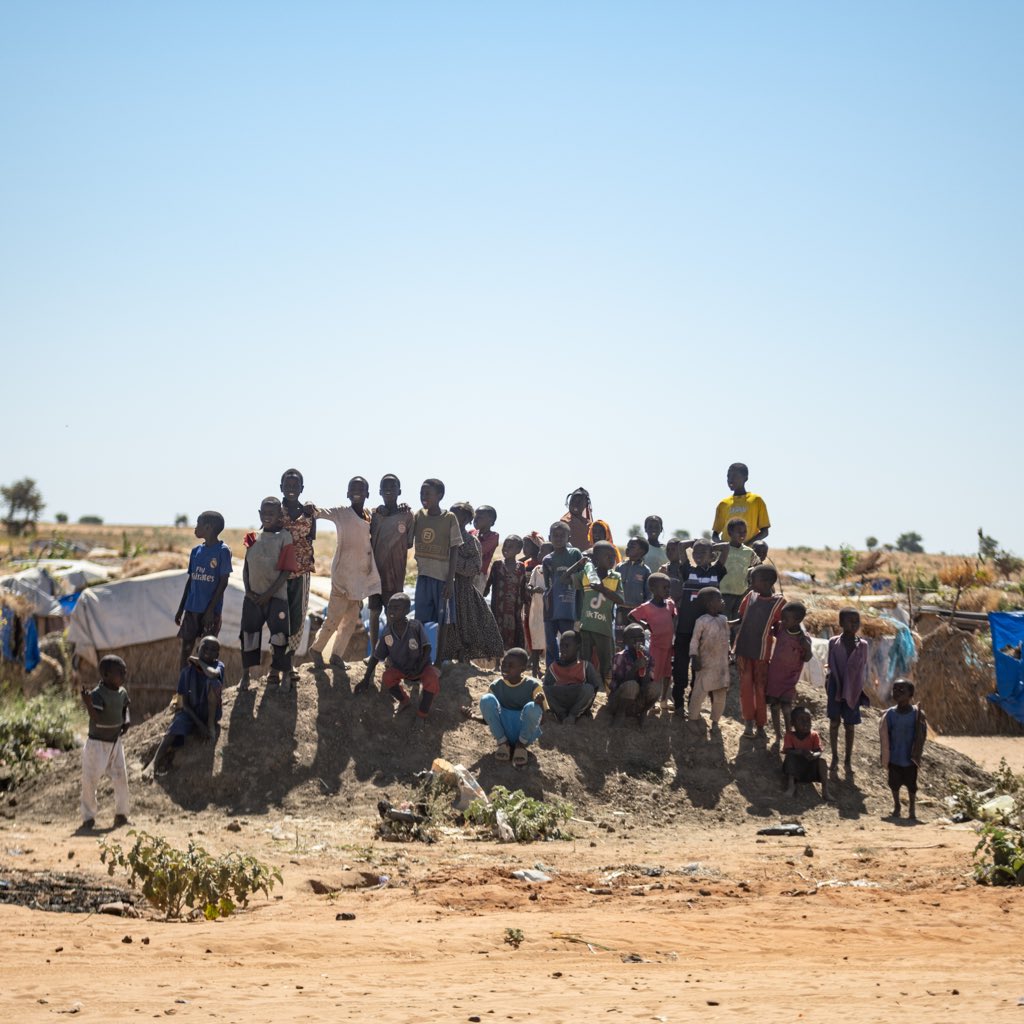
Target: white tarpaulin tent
[(142, 609), (37, 588)]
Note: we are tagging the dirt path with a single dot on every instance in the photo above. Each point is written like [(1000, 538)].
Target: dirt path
[(734, 926), (989, 750)]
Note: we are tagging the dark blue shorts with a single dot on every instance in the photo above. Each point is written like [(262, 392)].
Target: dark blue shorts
[(428, 604), (838, 708)]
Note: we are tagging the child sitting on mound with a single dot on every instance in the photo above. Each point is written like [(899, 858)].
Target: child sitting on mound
[(801, 751), (632, 690), (570, 684), (514, 707), (197, 703), (404, 647)]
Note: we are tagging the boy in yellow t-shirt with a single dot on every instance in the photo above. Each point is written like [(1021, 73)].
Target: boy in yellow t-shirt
[(741, 504)]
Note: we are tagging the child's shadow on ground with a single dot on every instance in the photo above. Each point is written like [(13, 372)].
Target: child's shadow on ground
[(702, 769)]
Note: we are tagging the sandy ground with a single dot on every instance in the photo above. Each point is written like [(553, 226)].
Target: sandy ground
[(989, 750), (736, 925)]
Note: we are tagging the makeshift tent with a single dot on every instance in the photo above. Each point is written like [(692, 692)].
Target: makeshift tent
[(37, 587), (1007, 644), (134, 619)]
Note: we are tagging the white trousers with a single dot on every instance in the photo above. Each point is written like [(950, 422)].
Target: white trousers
[(100, 758)]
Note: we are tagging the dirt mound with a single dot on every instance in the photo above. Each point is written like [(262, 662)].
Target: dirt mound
[(322, 751)]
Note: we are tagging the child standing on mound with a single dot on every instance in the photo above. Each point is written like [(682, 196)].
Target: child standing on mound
[(579, 517), (436, 539), (391, 533), (354, 574), (474, 634), (659, 616), (107, 705), (792, 649), (209, 566), (801, 752), (269, 560), (507, 583), (737, 558), (632, 691), (484, 519), (635, 575), (902, 732), (760, 613), (601, 586), (404, 647), (534, 548), (561, 598), (513, 708), (656, 553), (844, 683), (709, 653), (741, 504)]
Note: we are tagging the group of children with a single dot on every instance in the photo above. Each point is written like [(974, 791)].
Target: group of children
[(654, 621)]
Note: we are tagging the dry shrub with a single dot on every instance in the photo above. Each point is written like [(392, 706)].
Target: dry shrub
[(873, 561), (822, 621), (983, 599), (954, 674)]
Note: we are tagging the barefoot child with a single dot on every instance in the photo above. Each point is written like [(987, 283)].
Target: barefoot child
[(902, 732), (659, 616), (391, 533), (737, 558), (354, 574), (801, 753), (845, 677), (792, 649), (300, 522), (632, 691), (514, 707), (209, 566), (570, 684), (197, 703), (404, 647), (107, 706), (760, 612), (635, 574), (269, 559), (709, 653)]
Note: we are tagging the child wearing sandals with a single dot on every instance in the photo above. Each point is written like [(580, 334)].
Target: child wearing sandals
[(513, 708), (792, 649), (659, 616)]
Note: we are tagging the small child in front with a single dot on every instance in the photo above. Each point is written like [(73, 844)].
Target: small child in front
[(632, 691), (792, 649), (709, 654), (514, 707), (570, 684), (269, 559), (902, 731), (845, 677), (659, 616), (801, 754), (103, 754), (404, 647), (209, 566), (198, 703), (760, 613)]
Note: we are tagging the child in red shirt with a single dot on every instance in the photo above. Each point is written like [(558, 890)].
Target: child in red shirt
[(801, 751)]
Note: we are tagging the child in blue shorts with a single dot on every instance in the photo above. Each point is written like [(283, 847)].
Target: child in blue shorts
[(209, 566), (436, 539), (844, 683), (197, 703), (514, 707)]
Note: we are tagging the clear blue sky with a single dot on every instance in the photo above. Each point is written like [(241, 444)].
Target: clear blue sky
[(519, 247)]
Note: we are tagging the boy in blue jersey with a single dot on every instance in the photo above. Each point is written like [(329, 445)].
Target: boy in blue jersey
[(209, 567)]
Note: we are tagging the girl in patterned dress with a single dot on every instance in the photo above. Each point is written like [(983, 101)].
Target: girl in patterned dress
[(474, 633), (300, 522), (506, 583)]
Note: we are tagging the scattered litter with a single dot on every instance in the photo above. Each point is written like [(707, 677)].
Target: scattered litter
[(856, 883), (118, 908), (345, 916), (782, 830), (574, 937), (634, 958), (460, 779), (529, 875), (602, 891), (999, 808)]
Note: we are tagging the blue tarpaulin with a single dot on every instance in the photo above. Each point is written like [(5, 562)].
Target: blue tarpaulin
[(1007, 644)]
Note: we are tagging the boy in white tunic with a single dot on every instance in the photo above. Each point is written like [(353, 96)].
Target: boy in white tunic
[(103, 754)]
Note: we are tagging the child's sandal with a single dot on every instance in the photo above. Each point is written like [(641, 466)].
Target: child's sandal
[(502, 753), (520, 757)]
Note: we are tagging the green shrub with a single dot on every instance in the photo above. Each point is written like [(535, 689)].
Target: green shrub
[(529, 819), (27, 725), (999, 856), (173, 880), (514, 937)]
